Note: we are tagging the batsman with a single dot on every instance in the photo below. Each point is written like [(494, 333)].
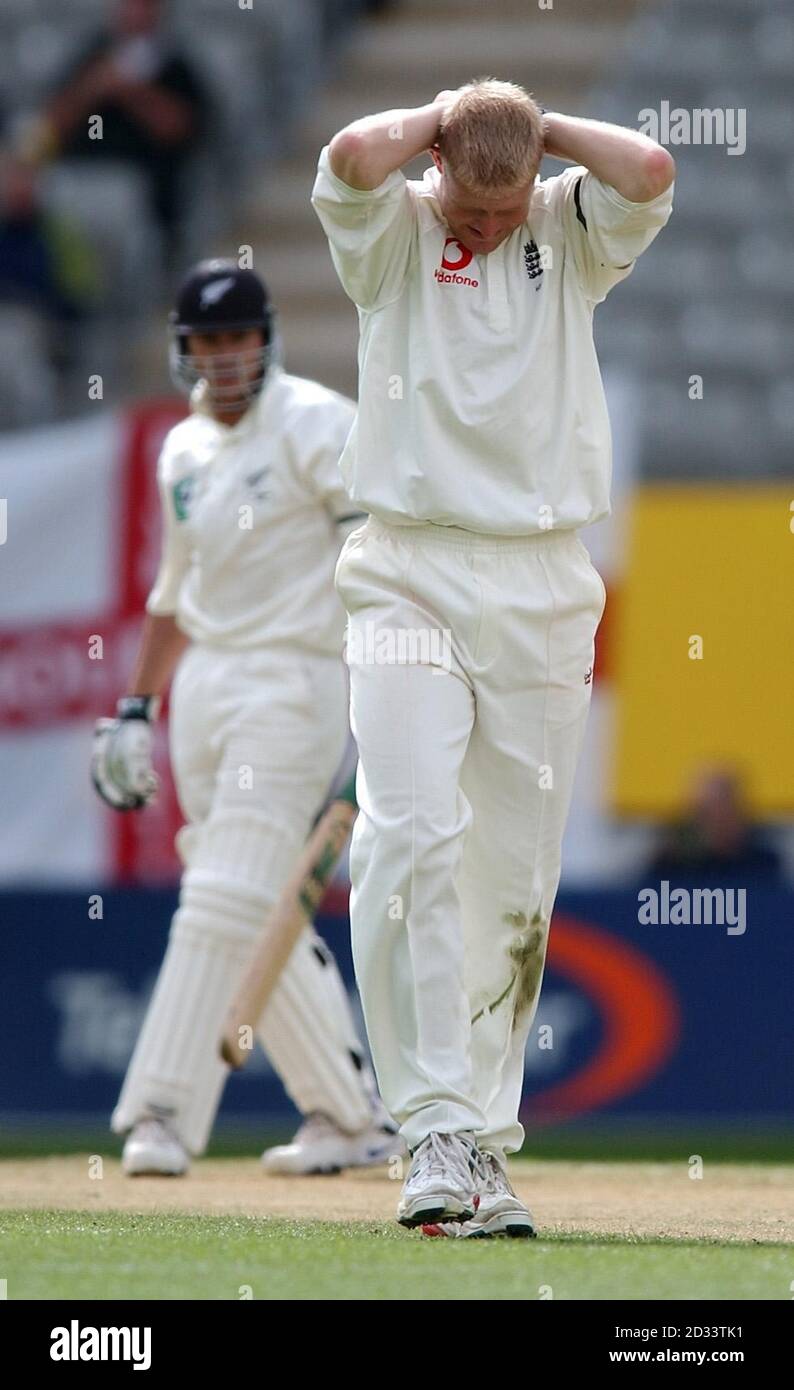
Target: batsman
[(244, 611), (480, 450)]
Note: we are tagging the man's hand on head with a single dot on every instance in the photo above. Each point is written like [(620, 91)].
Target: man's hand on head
[(365, 152), (443, 101), (628, 161)]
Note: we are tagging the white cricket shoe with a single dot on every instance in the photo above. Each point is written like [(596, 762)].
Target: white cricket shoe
[(320, 1146), (151, 1148), (499, 1211), (440, 1185)]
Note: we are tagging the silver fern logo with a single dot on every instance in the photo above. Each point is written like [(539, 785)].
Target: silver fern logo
[(215, 290)]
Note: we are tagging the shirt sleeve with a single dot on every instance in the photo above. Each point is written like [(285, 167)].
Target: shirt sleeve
[(323, 434), (174, 549), (371, 231), (605, 231)]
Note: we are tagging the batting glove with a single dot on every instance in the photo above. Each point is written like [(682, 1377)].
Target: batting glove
[(121, 762)]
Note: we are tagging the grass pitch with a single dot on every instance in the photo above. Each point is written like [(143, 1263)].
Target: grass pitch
[(80, 1255), (607, 1231)]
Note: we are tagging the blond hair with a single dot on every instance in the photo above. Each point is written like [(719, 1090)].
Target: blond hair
[(492, 136)]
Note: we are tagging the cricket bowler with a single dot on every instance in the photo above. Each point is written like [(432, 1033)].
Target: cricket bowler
[(244, 607), (480, 450)]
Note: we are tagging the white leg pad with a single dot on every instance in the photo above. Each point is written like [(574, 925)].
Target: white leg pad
[(176, 1073), (236, 871)]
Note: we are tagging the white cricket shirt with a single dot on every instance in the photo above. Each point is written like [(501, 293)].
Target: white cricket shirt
[(253, 519), (480, 396)]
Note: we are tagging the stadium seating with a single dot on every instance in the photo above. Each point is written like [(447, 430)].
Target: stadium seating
[(713, 298), (719, 285), (259, 66)]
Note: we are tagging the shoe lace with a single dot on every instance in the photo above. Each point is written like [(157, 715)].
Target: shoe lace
[(490, 1174), (438, 1152)]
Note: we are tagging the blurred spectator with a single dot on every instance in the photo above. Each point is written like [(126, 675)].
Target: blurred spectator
[(45, 263), (715, 840), (153, 106)]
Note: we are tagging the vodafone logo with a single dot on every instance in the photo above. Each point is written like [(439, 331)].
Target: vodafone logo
[(454, 259), (459, 258)]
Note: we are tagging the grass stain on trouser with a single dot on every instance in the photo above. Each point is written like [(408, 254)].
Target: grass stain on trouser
[(526, 954)]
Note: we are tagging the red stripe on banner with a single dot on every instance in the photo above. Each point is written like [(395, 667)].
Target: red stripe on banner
[(142, 842), (49, 676), (58, 672), (144, 428)]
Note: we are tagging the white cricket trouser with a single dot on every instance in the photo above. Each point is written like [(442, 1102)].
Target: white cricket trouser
[(256, 737), (467, 750)]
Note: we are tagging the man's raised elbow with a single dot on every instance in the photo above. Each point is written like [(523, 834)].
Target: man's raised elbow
[(659, 172), (346, 157)]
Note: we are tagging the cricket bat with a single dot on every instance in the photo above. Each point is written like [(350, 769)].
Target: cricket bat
[(294, 910)]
